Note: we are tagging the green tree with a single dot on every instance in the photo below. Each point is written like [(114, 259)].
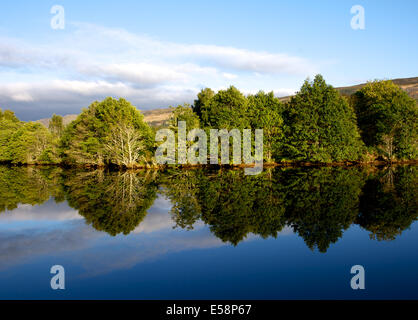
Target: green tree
[(56, 125), (320, 126), (9, 124), (31, 143), (265, 113), (183, 113), (227, 109), (101, 135), (388, 119), (203, 98)]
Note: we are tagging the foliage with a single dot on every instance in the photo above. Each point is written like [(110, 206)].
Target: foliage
[(9, 124), (89, 139), (31, 143), (320, 126), (56, 125), (387, 118), (227, 109), (203, 98), (183, 113), (316, 125), (265, 111)]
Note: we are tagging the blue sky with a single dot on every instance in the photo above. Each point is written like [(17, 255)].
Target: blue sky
[(161, 53)]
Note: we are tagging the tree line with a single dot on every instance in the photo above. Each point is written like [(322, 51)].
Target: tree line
[(317, 124)]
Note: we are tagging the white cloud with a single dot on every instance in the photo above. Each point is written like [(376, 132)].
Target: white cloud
[(229, 75), (91, 62), (222, 56), (26, 212)]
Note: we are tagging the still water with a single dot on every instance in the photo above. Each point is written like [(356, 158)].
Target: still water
[(198, 234)]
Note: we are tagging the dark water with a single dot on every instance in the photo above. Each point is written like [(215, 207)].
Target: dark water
[(194, 234)]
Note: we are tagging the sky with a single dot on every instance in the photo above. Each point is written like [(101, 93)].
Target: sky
[(161, 53)]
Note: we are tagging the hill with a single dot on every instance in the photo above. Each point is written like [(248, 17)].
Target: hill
[(410, 85)]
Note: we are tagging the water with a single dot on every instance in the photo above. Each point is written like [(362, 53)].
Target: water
[(196, 234)]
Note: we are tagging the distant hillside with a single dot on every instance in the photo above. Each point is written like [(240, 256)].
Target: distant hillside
[(65, 119), (410, 85), (159, 117)]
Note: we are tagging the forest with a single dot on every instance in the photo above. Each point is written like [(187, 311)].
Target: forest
[(316, 125)]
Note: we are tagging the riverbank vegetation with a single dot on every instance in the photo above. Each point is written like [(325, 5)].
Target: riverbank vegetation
[(317, 125)]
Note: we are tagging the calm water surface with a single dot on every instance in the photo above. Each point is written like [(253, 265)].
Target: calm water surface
[(195, 234)]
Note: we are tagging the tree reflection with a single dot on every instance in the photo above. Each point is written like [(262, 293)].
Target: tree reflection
[(231, 203), (389, 203), (182, 187), (114, 202), (322, 203), (28, 185), (318, 204)]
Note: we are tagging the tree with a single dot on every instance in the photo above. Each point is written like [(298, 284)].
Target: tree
[(56, 125), (125, 145), (90, 139), (203, 98), (265, 113), (387, 118), (9, 124), (32, 143), (183, 113), (228, 109), (320, 126)]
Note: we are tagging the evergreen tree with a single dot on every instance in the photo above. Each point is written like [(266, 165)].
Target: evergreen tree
[(203, 98), (9, 124), (320, 126), (265, 113), (31, 143), (227, 109)]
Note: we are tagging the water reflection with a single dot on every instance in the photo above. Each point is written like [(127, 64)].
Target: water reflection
[(389, 202), (318, 204), (114, 202)]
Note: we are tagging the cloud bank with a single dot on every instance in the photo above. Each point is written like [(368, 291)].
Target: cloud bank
[(89, 62)]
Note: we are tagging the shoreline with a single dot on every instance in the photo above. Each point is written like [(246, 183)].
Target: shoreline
[(287, 164)]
